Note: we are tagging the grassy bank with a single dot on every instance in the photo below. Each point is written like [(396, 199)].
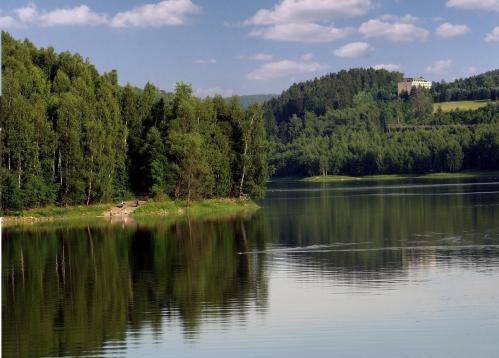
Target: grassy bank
[(461, 105), (150, 209), (52, 213), (199, 209), (459, 175)]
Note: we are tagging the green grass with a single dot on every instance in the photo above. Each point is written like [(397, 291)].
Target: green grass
[(68, 212), (459, 175), (199, 209), (51, 213), (461, 105), (151, 210), (331, 178)]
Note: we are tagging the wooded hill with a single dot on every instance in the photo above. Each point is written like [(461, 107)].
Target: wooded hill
[(333, 91), (353, 122), (70, 135), (480, 87)]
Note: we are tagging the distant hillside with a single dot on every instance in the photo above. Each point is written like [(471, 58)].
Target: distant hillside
[(333, 91), (248, 100), (480, 87), (353, 123)]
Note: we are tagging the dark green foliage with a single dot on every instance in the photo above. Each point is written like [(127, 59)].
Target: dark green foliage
[(480, 87), (333, 91), (369, 136), (72, 136)]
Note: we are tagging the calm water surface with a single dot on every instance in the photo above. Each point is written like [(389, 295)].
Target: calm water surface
[(381, 269)]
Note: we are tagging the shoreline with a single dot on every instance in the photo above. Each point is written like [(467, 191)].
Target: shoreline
[(146, 210), (388, 177)]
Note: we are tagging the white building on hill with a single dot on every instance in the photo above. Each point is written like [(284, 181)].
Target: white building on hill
[(409, 83)]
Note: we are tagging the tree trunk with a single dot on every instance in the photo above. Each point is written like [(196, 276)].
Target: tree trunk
[(89, 192), (241, 183), (189, 191), (66, 189), (90, 180), (60, 168), (53, 167), (246, 140)]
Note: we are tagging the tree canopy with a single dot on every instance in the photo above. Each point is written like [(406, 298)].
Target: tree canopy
[(70, 135), (354, 123)]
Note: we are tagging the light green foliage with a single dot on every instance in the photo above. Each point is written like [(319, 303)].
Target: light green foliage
[(71, 136), (203, 208)]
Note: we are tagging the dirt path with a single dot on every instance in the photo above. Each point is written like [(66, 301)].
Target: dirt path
[(124, 209)]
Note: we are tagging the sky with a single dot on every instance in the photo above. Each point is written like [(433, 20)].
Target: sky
[(249, 47)]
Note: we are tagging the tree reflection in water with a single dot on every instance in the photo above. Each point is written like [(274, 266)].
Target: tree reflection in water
[(70, 290), (76, 290)]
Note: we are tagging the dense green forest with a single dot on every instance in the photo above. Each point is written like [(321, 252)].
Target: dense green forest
[(354, 123), (483, 86), (70, 135), (333, 91)]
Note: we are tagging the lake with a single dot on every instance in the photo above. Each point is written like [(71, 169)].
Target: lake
[(351, 269)]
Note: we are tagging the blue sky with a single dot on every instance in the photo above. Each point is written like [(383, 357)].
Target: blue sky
[(245, 47)]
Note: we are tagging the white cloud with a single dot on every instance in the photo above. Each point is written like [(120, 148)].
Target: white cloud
[(471, 71), (212, 91), (307, 56), (387, 66), (438, 19), (393, 31), (487, 5), (405, 18), (79, 15), (27, 13), (447, 30), (163, 13), (202, 61), (262, 57), (75, 16), (354, 50), (440, 67), (284, 68), (301, 32), (8, 22), (307, 21), (493, 36), (289, 11)]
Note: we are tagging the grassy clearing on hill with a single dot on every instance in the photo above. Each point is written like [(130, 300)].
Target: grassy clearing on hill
[(461, 105)]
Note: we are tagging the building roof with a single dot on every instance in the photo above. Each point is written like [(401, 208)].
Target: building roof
[(411, 79)]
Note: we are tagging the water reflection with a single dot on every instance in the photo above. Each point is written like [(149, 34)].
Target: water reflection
[(296, 276), (69, 291)]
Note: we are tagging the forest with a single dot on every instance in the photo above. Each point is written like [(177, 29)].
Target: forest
[(326, 126), (480, 87), (71, 136)]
